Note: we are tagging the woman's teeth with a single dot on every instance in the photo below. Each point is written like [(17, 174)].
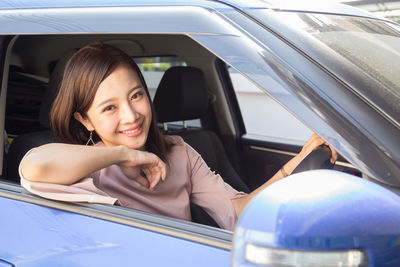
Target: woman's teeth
[(132, 131)]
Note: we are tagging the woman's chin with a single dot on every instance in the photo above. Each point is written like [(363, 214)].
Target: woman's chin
[(137, 143)]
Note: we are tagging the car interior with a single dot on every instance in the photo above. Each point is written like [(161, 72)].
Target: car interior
[(204, 95)]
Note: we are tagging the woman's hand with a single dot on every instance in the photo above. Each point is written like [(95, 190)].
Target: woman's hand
[(314, 142), (144, 167)]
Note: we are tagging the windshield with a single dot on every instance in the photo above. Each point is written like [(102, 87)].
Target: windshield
[(363, 52)]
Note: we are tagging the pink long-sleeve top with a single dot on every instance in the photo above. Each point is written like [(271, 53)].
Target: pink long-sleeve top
[(188, 179)]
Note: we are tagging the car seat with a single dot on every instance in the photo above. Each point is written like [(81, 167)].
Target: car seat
[(182, 95), (25, 142)]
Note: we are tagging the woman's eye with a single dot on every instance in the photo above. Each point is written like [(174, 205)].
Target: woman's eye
[(108, 108), (137, 95)]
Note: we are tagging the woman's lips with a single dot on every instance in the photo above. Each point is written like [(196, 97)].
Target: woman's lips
[(132, 132)]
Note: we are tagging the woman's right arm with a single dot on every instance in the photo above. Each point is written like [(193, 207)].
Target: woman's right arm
[(66, 164)]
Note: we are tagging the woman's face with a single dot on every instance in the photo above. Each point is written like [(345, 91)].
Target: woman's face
[(121, 112)]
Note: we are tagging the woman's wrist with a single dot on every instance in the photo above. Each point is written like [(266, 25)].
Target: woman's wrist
[(284, 172), (288, 168), (120, 154), (126, 156)]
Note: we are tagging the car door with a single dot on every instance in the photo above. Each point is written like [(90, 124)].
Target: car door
[(38, 232), (285, 74), (45, 232)]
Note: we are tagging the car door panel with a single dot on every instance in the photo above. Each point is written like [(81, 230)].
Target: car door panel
[(35, 235), (263, 159)]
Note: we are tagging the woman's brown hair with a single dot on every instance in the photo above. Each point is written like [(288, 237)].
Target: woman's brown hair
[(84, 72)]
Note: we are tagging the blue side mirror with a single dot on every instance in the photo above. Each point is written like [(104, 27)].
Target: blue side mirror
[(320, 218)]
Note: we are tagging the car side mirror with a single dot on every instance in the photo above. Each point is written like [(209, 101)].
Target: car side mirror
[(319, 218)]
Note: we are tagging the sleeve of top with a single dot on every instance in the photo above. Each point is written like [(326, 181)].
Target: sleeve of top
[(82, 191), (210, 192)]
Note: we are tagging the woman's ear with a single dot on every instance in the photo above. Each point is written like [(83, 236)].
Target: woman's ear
[(85, 122)]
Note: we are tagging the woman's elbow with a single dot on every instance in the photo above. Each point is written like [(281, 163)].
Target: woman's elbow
[(240, 203), (34, 166), (32, 171)]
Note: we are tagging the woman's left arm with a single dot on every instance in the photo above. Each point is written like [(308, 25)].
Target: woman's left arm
[(313, 142)]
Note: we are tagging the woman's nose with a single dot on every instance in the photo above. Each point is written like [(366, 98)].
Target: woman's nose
[(128, 114)]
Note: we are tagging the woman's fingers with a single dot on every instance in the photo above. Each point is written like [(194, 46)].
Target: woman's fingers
[(314, 142), (153, 168), (163, 168), (155, 179), (143, 181), (334, 154), (153, 175)]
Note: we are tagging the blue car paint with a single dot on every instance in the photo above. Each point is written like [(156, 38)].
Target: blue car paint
[(103, 3), (316, 6), (34, 235), (118, 243), (324, 210), (167, 19)]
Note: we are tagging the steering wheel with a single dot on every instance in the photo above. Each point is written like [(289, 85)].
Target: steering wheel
[(317, 159)]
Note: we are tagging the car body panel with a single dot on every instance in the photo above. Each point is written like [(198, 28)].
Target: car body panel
[(163, 19), (80, 240), (326, 7), (261, 64), (310, 92), (106, 3), (315, 6)]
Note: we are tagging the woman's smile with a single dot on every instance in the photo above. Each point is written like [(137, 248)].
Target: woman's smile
[(134, 131)]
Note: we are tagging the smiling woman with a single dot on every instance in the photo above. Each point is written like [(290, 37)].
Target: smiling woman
[(87, 79), (103, 92)]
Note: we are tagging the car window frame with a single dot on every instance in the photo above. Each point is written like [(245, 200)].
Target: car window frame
[(207, 235), (36, 26), (311, 83)]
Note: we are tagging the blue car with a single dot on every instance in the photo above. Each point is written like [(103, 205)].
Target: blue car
[(273, 73)]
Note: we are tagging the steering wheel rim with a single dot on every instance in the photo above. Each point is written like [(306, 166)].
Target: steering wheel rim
[(317, 159)]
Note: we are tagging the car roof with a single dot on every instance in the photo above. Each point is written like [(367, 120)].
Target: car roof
[(328, 7)]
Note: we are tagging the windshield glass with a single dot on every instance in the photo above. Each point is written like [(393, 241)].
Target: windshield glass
[(363, 52)]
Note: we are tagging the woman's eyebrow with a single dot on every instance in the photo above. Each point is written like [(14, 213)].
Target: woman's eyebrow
[(105, 101), (110, 99), (139, 86)]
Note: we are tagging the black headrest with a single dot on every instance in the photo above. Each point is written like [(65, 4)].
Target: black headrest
[(181, 95), (52, 89)]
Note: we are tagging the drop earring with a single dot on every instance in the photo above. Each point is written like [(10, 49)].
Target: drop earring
[(90, 139)]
